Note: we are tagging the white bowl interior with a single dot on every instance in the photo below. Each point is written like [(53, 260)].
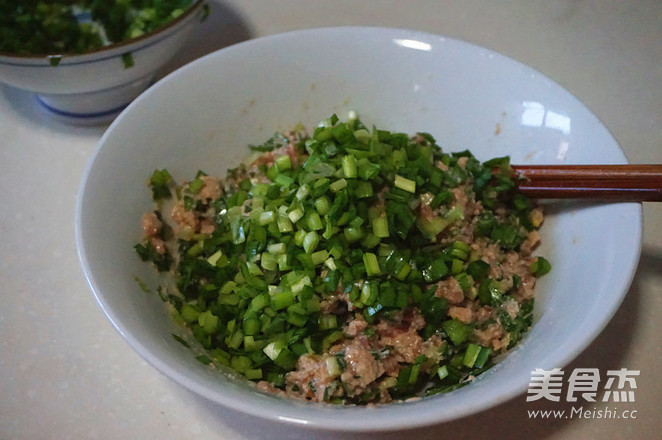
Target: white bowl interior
[(204, 115)]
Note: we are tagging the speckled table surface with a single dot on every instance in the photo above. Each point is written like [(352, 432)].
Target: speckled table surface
[(66, 373)]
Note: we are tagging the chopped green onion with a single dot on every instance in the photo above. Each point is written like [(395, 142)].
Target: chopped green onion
[(322, 205), (471, 354), (369, 293), (282, 300), (327, 322), (283, 162), (189, 313), (349, 167), (338, 185), (272, 350), (266, 217), (353, 234), (253, 374), (295, 215), (196, 186), (332, 367), (276, 248), (310, 242), (284, 224), (380, 227), (405, 184), (478, 269), (283, 180), (314, 221), (351, 225), (456, 266), (320, 257), (456, 330), (482, 357), (540, 267), (302, 192), (371, 264)]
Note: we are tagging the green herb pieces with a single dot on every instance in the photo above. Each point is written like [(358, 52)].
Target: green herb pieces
[(74, 27), (349, 250), (160, 184), (540, 267), (127, 60), (147, 252)]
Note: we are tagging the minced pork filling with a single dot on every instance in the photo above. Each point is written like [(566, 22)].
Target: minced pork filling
[(354, 265)]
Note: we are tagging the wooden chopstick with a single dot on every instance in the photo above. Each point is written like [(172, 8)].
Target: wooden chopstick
[(633, 183)]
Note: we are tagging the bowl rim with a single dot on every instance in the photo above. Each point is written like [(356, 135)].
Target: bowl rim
[(194, 6), (319, 419)]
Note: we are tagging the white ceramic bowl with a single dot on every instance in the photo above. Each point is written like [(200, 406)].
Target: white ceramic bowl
[(203, 115), (96, 86)]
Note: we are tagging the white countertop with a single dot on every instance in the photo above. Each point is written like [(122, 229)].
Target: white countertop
[(66, 373)]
